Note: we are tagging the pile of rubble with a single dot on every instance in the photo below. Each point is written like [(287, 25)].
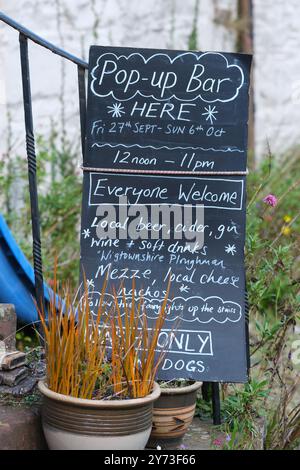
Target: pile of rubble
[(19, 373)]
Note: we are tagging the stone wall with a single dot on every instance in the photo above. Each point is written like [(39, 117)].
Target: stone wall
[(75, 24), (276, 74)]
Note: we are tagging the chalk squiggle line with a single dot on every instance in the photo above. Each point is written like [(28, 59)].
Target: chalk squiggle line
[(229, 149), (152, 315)]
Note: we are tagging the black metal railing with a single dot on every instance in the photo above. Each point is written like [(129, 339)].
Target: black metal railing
[(25, 35)]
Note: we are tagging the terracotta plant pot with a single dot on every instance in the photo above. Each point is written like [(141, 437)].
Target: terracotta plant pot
[(74, 423), (172, 415)]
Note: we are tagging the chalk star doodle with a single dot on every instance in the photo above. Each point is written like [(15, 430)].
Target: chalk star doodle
[(230, 249), (184, 288), (86, 233), (116, 110), (210, 113), (90, 283)]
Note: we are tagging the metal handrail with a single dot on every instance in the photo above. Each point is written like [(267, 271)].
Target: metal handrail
[(42, 42)]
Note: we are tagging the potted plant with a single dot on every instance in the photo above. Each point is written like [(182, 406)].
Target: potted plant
[(173, 412), (99, 388)]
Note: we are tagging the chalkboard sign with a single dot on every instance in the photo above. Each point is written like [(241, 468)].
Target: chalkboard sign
[(171, 116), (167, 110)]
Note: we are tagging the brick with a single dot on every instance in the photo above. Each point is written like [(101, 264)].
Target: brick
[(13, 377), (13, 360)]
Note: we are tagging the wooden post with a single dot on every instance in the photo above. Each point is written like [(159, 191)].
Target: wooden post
[(245, 44)]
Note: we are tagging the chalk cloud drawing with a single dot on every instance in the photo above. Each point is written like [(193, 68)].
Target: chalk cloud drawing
[(190, 309), (232, 73)]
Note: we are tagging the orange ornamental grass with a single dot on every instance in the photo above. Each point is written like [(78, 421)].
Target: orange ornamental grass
[(134, 355), (79, 354), (75, 344)]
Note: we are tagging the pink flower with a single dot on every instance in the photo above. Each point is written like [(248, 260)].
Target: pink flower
[(271, 200), (218, 442), (182, 446)]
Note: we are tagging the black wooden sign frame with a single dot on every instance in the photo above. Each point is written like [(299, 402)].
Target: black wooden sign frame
[(102, 162)]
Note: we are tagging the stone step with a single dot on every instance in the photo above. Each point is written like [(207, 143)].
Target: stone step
[(21, 389), (20, 429)]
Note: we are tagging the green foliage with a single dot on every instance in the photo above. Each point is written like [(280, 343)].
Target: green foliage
[(203, 408), (247, 403), (273, 276), (24, 340), (272, 259), (193, 37), (59, 185)]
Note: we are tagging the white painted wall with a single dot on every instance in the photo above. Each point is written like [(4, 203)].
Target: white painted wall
[(277, 74), (76, 24)]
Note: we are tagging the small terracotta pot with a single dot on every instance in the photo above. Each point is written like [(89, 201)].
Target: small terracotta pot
[(74, 423), (172, 415)]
